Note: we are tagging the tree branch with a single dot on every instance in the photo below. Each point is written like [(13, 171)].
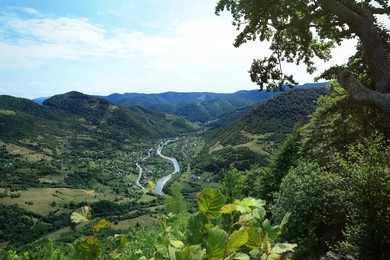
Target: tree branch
[(305, 19), (362, 94), (380, 10), (361, 21)]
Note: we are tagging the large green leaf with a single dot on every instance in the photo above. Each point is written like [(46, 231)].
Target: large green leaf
[(162, 244), (272, 231), (244, 206), (83, 214), (236, 240), (215, 243), (259, 213), (210, 202), (175, 241), (228, 208), (281, 248), (254, 238), (285, 220), (195, 227), (89, 248)]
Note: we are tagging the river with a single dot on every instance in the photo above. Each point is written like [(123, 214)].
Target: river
[(161, 182)]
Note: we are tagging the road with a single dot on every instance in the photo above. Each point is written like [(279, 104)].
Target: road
[(139, 176)]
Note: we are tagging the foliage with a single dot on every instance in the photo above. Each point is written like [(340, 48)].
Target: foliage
[(205, 240), (338, 122), (232, 184), (18, 228), (177, 207), (315, 198), (299, 31), (91, 247), (265, 127), (365, 167), (267, 179), (201, 107)]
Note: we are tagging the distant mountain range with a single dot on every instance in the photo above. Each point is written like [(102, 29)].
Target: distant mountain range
[(218, 108), (73, 120)]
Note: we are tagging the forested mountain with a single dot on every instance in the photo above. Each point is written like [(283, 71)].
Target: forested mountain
[(199, 106), (80, 118), (254, 136)]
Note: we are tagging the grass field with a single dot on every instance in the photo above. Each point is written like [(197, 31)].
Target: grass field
[(24, 152), (145, 221), (40, 200)]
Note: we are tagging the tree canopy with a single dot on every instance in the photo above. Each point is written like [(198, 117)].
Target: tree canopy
[(300, 30)]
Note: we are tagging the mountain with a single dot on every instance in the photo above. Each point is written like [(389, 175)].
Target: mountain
[(78, 120), (204, 107), (254, 136), (200, 106)]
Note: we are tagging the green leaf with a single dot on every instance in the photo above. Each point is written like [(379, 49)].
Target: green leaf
[(272, 231), (83, 214), (266, 245), (244, 206), (259, 213), (285, 220), (246, 220), (194, 252), (240, 256), (89, 248), (195, 227), (100, 225), (254, 238), (236, 240), (161, 245), (281, 248), (210, 202), (270, 257), (215, 243), (228, 208), (115, 254), (151, 186), (175, 241)]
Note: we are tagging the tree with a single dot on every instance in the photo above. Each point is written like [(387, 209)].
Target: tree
[(314, 197), (232, 184), (175, 204), (300, 30)]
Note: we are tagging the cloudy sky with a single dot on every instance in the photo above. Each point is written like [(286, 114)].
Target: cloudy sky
[(101, 47)]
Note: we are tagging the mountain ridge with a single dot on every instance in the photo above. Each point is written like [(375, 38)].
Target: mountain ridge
[(201, 107)]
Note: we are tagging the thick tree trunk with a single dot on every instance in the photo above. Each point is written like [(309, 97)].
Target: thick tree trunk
[(362, 94), (362, 22)]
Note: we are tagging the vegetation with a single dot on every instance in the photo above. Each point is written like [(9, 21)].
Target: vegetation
[(319, 158), (290, 29)]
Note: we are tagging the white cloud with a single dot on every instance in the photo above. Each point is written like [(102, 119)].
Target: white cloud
[(196, 55)]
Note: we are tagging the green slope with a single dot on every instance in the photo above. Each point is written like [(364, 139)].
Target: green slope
[(253, 137), (77, 119)]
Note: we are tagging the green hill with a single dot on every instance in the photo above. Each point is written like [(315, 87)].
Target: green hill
[(77, 119), (200, 107), (254, 136)]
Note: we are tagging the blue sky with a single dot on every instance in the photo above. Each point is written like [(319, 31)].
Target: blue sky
[(101, 47)]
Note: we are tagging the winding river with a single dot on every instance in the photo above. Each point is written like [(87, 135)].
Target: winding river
[(161, 182)]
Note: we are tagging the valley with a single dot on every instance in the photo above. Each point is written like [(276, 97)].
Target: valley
[(73, 143), (75, 150)]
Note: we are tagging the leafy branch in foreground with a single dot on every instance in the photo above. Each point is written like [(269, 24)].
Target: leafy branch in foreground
[(249, 231)]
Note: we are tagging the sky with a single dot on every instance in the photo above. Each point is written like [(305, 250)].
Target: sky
[(99, 47)]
